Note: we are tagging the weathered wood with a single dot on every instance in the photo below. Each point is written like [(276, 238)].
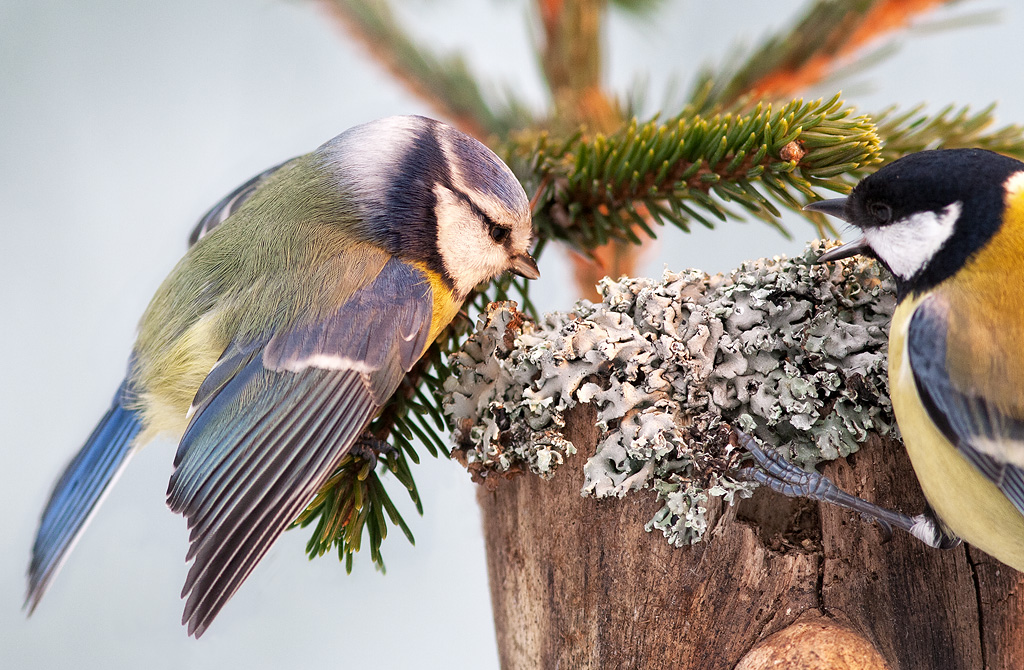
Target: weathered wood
[(1001, 599), (919, 605), (577, 582)]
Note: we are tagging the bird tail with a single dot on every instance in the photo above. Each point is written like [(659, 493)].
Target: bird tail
[(79, 492)]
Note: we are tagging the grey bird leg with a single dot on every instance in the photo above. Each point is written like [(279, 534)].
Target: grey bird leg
[(780, 475)]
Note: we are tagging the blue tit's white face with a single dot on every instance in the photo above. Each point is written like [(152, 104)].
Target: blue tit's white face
[(432, 194), (483, 215)]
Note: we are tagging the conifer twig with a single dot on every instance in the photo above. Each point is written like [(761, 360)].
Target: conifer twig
[(692, 168), (950, 128)]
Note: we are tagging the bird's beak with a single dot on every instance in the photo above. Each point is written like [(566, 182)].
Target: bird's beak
[(836, 207), (524, 266), (849, 249)]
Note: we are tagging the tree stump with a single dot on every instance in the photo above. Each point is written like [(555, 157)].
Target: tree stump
[(577, 583)]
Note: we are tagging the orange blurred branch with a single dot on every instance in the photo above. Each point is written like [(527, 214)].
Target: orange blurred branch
[(850, 35)]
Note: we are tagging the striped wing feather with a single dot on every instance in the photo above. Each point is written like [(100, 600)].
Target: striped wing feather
[(275, 420)]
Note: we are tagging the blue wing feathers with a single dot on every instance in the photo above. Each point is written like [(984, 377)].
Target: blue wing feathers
[(274, 421), (79, 492), (253, 486), (260, 478), (203, 456), (963, 417), (242, 471), (383, 326), (232, 361)]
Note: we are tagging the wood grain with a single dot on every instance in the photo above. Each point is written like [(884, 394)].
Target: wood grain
[(577, 583)]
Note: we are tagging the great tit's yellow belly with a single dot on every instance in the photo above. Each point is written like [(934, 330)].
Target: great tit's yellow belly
[(968, 502)]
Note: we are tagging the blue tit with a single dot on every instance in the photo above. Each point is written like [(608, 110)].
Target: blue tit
[(307, 295), (949, 226)]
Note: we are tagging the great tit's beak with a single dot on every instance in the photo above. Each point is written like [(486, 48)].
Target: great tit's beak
[(524, 266), (849, 249), (836, 207)]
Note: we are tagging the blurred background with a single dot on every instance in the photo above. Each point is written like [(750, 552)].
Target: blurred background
[(121, 122)]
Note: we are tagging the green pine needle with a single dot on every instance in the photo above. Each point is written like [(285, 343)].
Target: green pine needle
[(694, 165), (950, 128)]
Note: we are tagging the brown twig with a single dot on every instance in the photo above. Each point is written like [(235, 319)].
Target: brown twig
[(848, 36)]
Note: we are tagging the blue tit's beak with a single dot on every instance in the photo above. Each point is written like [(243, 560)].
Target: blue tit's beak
[(524, 266), (836, 207)]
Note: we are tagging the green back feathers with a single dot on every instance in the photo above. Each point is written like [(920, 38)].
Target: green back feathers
[(288, 255)]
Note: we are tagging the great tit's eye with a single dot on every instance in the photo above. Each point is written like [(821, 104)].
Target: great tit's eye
[(880, 212), (499, 234)]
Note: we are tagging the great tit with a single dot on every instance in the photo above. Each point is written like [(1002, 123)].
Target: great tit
[(949, 226), (307, 295)]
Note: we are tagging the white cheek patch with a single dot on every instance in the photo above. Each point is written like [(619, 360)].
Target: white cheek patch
[(907, 245), (1015, 184), (470, 255)]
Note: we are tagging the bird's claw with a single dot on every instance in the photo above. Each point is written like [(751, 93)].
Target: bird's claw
[(368, 448), (780, 475)]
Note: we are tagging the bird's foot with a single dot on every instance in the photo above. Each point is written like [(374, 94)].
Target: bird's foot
[(368, 448), (780, 475)]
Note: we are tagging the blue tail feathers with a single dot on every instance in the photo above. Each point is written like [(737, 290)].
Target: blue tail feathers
[(79, 491)]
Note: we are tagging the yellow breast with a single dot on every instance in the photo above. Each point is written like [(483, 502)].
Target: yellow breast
[(971, 505), (446, 303)]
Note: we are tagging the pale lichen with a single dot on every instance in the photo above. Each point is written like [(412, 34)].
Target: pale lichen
[(789, 351)]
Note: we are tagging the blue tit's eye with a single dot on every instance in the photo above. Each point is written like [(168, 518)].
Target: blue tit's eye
[(499, 234), (880, 212)]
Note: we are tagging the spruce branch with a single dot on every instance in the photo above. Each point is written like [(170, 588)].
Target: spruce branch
[(950, 128), (443, 82), (692, 168)]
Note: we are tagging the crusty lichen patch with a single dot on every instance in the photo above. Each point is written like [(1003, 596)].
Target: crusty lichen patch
[(791, 352)]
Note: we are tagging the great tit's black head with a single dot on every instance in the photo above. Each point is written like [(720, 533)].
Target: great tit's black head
[(429, 193), (924, 215)]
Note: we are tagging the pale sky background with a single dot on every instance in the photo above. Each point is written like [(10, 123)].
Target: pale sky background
[(120, 123)]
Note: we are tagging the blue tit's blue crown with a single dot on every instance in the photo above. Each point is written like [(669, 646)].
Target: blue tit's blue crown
[(481, 170), (387, 169)]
